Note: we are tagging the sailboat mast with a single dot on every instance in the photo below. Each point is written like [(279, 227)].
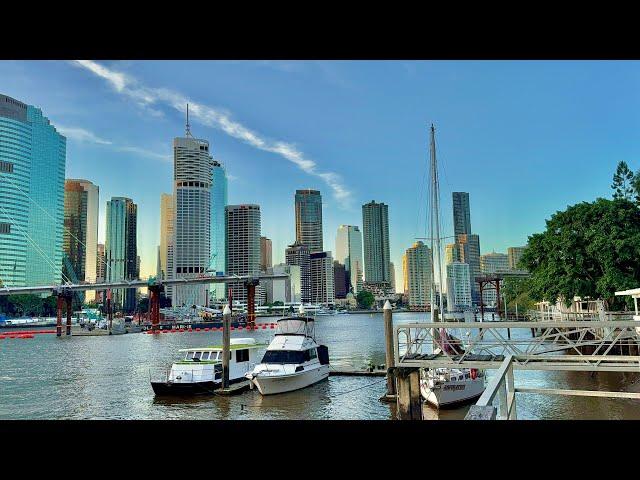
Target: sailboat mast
[(435, 219)]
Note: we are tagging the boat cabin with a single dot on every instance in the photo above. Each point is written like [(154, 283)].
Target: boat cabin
[(205, 363), (304, 326)]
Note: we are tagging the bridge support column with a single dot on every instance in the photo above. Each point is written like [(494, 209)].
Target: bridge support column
[(408, 398), (154, 305), (59, 303), (109, 309), (251, 302), (69, 299)]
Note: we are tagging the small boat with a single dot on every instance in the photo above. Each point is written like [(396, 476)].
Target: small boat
[(200, 370), (293, 359), (447, 387)]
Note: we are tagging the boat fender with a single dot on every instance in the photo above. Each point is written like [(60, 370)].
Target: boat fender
[(474, 373)]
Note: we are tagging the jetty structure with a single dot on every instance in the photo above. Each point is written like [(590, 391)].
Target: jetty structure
[(582, 345)]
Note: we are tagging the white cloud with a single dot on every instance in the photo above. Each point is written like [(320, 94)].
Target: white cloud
[(85, 136), (82, 135), (217, 118)]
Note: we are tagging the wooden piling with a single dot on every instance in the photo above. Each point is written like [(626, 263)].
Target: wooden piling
[(389, 357), (408, 393), (226, 341)]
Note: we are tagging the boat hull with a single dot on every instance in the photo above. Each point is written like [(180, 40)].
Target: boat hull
[(175, 388), (271, 385), (451, 394)]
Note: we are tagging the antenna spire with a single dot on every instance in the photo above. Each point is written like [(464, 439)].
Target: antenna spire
[(188, 130)]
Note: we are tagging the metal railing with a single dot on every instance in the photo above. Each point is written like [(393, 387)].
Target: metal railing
[(502, 388), (596, 345), (498, 401), (161, 374)]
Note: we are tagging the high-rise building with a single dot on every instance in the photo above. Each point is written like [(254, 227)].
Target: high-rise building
[(451, 253), (322, 279), (80, 238), (167, 217), (100, 270), (308, 205), (298, 254), (349, 253), (458, 286), (461, 213), (265, 254), (515, 254), (100, 264), (469, 247), (192, 177), (375, 230), (121, 253), (392, 271), (218, 233), (167, 238), (242, 246), (494, 263), (285, 290), (32, 167), (418, 276), (340, 280)]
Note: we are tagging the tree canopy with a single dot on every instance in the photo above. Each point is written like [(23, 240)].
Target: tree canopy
[(590, 250), (365, 299), (624, 182)]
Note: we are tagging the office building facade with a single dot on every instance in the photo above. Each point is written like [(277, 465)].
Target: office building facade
[(418, 275), (458, 286), (32, 169), (218, 226), (461, 213), (308, 211), (349, 254), (375, 232), (265, 254), (322, 278), (121, 254), (514, 255), (192, 192), (242, 224), (298, 254)]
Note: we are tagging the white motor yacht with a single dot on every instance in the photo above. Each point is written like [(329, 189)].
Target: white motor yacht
[(200, 370), (293, 359)]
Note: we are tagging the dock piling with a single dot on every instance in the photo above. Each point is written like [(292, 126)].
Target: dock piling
[(408, 393), (226, 341), (389, 357)]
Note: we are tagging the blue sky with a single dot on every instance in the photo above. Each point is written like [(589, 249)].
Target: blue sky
[(524, 138)]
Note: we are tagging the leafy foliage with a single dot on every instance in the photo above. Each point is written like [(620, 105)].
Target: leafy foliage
[(365, 299), (517, 290), (590, 250)]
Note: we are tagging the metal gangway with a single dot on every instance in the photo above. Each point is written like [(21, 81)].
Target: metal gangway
[(585, 346)]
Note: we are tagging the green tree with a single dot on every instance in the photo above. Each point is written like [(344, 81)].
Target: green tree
[(590, 249), (517, 290), (365, 299), (624, 182)]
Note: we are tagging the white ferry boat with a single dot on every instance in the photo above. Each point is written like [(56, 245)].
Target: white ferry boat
[(293, 359), (200, 370)]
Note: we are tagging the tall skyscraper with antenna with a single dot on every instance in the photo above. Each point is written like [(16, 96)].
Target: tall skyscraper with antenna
[(192, 179)]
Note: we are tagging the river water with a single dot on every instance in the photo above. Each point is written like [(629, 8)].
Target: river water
[(108, 378)]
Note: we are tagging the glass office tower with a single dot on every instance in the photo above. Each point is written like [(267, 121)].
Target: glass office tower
[(218, 230), (32, 166)]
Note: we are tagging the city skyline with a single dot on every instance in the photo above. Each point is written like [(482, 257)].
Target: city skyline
[(476, 159)]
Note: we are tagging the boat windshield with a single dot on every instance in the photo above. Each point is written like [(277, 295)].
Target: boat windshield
[(286, 356), (295, 326)]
